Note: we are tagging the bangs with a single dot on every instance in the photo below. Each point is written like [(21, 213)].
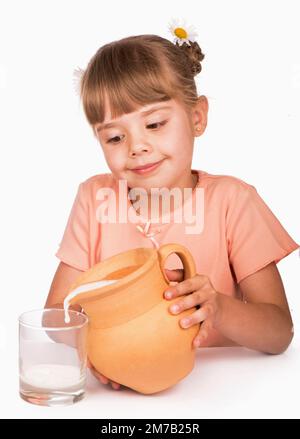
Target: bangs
[(125, 77)]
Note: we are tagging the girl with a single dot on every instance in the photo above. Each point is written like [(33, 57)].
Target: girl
[(140, 98)]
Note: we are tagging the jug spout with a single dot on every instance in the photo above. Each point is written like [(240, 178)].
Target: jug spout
[(85, 293)]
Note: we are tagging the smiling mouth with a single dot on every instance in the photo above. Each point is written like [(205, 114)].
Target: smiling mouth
[(147, 168)]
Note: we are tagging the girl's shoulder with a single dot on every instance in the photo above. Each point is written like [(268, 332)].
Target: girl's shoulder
[(221, 179), (99, 181), (96, 187), (224, 183)]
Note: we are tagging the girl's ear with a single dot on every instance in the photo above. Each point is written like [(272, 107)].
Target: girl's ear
[(200, 115)]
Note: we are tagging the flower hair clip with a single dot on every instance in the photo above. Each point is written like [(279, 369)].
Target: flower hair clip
[(77, 76), (182, 33)]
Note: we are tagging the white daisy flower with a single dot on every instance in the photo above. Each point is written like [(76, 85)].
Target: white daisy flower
[(77, 76), (182, 33)]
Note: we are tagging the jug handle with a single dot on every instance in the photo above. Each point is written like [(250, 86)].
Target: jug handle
[(189, 267)]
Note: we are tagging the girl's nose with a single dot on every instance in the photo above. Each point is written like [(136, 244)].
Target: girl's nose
[(138, 142), (138, 148)]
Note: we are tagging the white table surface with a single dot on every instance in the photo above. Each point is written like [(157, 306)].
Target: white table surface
[(225, 383)]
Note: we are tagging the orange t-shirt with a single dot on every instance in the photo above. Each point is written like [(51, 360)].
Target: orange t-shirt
[(239, 234)]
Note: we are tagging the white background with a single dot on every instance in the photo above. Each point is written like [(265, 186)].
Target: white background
[(251, 76)]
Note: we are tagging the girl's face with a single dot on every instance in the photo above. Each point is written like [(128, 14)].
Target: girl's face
[(161, 132)]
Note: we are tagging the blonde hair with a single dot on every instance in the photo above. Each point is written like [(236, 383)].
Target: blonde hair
[(136, 71)]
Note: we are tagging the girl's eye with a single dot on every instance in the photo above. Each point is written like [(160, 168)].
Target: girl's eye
[(160, 124), (112, 140), (157, 123)]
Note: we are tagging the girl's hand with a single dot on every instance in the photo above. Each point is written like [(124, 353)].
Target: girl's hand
[(197, 290), (102, 378)]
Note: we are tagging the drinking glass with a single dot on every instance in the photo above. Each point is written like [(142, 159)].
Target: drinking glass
[(52, 356)]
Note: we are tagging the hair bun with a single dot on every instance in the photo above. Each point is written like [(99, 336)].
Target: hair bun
[(193, 54)]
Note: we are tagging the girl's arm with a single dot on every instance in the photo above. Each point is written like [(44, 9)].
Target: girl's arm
[(263, 320), (64, 276)]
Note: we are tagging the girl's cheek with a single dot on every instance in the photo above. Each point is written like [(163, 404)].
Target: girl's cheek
[(118, 167), (114, 160)]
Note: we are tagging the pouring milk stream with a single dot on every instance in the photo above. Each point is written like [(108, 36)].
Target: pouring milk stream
[(83, 288)]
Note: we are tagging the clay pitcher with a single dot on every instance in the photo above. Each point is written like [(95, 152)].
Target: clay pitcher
[(132, 338)]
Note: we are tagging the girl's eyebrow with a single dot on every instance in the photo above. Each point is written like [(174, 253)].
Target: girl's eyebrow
[(102, 127)]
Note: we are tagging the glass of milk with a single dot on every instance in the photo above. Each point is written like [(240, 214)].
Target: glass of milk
[(52, 356)]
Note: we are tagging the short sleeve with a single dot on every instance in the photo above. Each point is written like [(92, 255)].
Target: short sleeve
[(255, 237), (74, 246)]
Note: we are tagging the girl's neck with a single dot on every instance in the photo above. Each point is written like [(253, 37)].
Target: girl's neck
[(175, 202)]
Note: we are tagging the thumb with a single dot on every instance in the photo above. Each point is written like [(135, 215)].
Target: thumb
[(174, 275)]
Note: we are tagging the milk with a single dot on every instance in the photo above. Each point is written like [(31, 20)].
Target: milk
[(52, 377), (82, 289)]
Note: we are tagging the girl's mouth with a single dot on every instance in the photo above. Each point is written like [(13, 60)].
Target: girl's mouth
[(147, 169)]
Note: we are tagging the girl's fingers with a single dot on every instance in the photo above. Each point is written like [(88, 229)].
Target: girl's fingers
[(75, 307), (188, 286), (105, 380), (196, 317), (174, 275), (202, 335), (189, 301), (100, 377)]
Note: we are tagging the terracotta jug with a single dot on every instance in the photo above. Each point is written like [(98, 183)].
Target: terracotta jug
[(133, 339)]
